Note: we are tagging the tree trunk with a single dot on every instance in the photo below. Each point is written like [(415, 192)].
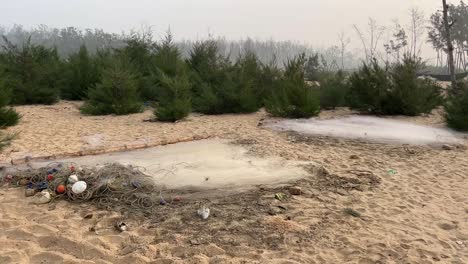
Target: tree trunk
[(449, 45)]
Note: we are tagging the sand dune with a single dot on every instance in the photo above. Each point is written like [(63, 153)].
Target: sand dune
[(415, 210)]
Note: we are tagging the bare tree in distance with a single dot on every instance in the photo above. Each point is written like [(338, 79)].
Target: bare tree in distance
[(372, 40), (344, 42), (417, 28), (448, 24), (397, 44)]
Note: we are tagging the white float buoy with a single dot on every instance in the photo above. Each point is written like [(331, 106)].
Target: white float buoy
[(79, 187), (72, 179)]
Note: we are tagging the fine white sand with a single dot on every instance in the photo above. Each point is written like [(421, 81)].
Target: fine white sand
[(417, 214)]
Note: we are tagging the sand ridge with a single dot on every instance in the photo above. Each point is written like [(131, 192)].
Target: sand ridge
[(416, 214)]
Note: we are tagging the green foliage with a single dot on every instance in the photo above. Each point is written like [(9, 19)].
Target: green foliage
[(115, 94), (393, 91), (207, 76), (32, 72), (221, 87), (333, 90), (174, 100), (172, 83), (411, 96), (291, 96), (82, 72), (269, 75), (8, 116), (5, 140), (312, 68), (369, 88), (138, 52), (456, 109)]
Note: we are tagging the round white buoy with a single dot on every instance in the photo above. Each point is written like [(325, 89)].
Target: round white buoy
[(72, 179), (79, 187)]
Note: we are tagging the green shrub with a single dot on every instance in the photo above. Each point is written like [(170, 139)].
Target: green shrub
[(222, 87), (32, 72), (172, 83), (291, 96), (138, 51), (8, 116), (393, 91), (208, 73), (333, 90), (411, 96), (269, 75), (116, 93), (5, 140), (456, 109), (174, 100), (369, 88), (82, 72)]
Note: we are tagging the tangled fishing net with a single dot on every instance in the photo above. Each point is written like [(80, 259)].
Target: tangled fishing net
[(109, 187)]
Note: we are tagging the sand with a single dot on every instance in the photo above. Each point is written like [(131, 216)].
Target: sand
[(417, 215)]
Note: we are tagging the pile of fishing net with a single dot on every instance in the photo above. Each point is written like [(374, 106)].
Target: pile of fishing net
[(109, 186)]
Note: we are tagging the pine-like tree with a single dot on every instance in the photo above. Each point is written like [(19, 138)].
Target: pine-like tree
[(208, 75), (393, 90), (8, 116), (171, 82), (82, 72), (116, 93), (456, 108), (32, 72), (138, 51), (291, 96)]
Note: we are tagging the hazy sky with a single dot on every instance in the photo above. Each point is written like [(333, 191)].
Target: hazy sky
[(313, 21)]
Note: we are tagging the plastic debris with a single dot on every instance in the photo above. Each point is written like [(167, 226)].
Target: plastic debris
[(79, 187), (280, 196), (50, 177), (72, 179), (42, 186), (121, 226), (42, 197), (162, 201), (204, 212), (392, 172)]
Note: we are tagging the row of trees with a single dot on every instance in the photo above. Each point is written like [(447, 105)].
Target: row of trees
[(119, 81), (69, 40)]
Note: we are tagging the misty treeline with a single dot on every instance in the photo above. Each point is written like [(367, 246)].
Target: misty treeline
[(68, 41), (119, 80), (121, 73)]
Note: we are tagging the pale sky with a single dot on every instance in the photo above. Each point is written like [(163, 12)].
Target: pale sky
[(316, 22)]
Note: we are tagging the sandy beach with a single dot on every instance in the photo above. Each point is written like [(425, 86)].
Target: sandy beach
[(418, 213)]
